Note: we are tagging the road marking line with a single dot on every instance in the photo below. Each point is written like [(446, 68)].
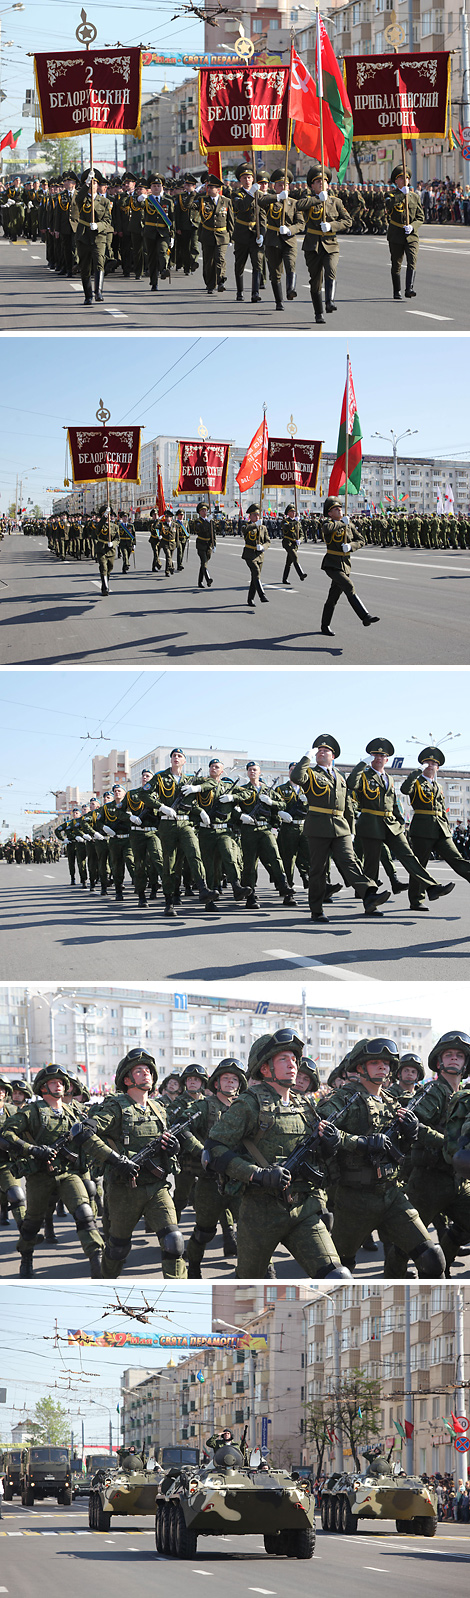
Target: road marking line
[(379, 1568), (33, 258), (123, 314), (24, 248), (424, 565), (430, 314), (202, 1572), (77, 288), (269, 1592), (332, 970), (14, 1534)]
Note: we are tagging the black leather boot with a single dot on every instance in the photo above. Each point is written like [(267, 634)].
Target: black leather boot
[(255, 293), (410, 291), (291, 279), (239, 285), (330, 293), (317, 303), (360, 609), (99, 280), (396, 281), (88, 290), (278, 297)]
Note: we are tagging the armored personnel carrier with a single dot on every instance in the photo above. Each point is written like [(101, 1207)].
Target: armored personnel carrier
[(125, 1489), (231, 1496), (382, 1492)]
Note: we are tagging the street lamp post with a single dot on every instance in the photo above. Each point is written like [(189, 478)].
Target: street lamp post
[(339, 1447), (396, 439)]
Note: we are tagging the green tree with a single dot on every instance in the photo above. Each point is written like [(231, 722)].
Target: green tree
[(358, 1411), (59, 155), (360, 148), (320, 1426), (50, 1423)]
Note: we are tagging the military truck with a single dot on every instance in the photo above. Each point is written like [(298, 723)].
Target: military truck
[(126, 1489), (45, 1473), (92, 1463), (235, 1497), (377, 1494), (11, 1470)]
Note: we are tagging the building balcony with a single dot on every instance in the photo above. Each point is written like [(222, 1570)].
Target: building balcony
[(421, 1331)]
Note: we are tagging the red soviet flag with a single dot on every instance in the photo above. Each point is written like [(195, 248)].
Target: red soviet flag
[(409, 1428), (254, 463), (161, 507), (304, 108)]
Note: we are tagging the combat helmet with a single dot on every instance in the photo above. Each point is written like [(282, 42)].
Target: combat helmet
[(269, 1044), (410, 1059), (236, 1068), (134, 1057), (449, 1040), (22, 1085), (372, 1049), (6, 1085), (47, 1074), (194, 1070), (308, 1065), (169, 1075)]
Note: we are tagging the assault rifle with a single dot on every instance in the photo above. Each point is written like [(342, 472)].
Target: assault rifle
[(149, 1155), (48, 1153), (299, 1162), (395, 1155)]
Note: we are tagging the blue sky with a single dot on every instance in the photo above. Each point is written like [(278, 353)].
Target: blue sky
[(33, 1367), (51, 26), (44, 716), (167, 384)]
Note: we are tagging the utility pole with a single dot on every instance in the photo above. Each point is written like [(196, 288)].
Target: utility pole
[(408, 1393), (465, 71), (459, 1354)]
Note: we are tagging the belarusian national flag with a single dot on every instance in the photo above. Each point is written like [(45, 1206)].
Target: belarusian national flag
[(10, 140), (337, 483), (254, 463), (304, 106)]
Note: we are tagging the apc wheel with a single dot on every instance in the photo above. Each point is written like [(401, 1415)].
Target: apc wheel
[(185, 1539), (8, 1495), (324, 1514), (103, 1517), (403, 1526), (91, 1506), (301, 1543), (428, 1525), (338, 1514), (173, 1510), (29, 1497), (165, 1530), (277, 1542), (330, 1514), (158, 1528), (348, 1520)]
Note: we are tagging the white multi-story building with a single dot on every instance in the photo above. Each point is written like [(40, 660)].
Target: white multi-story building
[(93, 1026), (110, 768)]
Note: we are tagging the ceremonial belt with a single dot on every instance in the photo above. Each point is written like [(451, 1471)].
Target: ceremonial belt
[(365, 811), (318, 233), (240, 222), (321, 810), (155, 224), (392, 223), (214, 230)]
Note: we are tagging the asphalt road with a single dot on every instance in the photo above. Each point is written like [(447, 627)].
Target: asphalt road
[(66, 1262), (47, 927), (98, 1562), (33, 298), (53, 611)]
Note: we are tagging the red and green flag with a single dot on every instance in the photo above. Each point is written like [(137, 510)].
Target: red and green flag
[(304, 106), (10, 140), (349, 444)]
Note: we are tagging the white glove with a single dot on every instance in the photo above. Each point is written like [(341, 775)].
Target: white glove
[(408, 228), (195, 788), (283, 195), (346, 520), (99, 836), (135, 822), (80, 838), (254, 188), (258, 549), (166, 810), (265, 800), (247, 821), (204, 819), (325, 227), (322, 195), (284, 815), (311, 756), (285, 231), (171, 242), (260, 241), (90, 177), (225, 798), (346, 548), (93, 227), (109, 832)]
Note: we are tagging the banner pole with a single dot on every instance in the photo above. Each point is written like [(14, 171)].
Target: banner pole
[(320, 99), (253, 166), (261, 493), (289, 124), (402, 139), (347, 436)]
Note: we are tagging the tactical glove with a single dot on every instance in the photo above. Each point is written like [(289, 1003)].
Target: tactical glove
[(276, 1177)]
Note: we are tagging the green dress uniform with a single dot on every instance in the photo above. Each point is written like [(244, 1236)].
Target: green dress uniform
[(114, 822), (136, 233), (126, 544), (258, 840), (256, 541), (216, 229), (91, 242), (321, 249), (204, 529), (328, 831), (178, 834), (434, 1186), (167, 542), (185, 223), (158, 232), (37, 1123), (120, 217), (400, 243), (68, 830), (369, 1193), (380, 821), (292, 537), (66, 230), (281, 249), (141, 808), (430, 832), (106, 545), (261, 1129), (341, 541), (291, 840), (245, 235), (182, 541), (218, 836), (126, 1127), (155, 543), (88, 826)]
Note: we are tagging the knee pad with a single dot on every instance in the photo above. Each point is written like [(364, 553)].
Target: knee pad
[(339, 1272), (117, 1248), (204, 1234), (429, 1260), (172, 1243), (83, 1217), (90, 1186), (16, 1195)]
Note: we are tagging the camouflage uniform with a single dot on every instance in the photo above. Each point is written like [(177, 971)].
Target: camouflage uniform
[(370, 1194), (39, 1123), (127, 1127)]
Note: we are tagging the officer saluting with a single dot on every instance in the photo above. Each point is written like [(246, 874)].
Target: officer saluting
[(430, 831), (380, 818), (328, 827), (405, 215)]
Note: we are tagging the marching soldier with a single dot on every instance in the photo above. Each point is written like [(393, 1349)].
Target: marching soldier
[(225, 1083), (106, 545), (325, 216), (246, 1148), (291, 840), (12, 1194), (141, 808), (203, 527), (247, 232), (182, 538), (256, 538), (37, 1129), (430, 833), (175, 793), (158, 231), (113, 823), (92, 236), (291, 533), (168, 540), (126, 544), (218, 838), (435, 1187), (121, 224), (216, 229), (185, 222), (257, 811), (341, 540), (68, 830), (403, 235), (283, 220), (380, 819), (328, 827), (406, 1075)]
